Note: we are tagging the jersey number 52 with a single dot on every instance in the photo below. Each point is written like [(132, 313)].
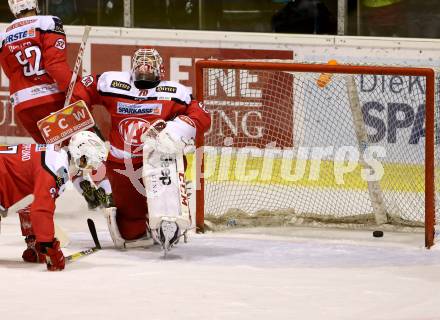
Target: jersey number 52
[(30, 59)]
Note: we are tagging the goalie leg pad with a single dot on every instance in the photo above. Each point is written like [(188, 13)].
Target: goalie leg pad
[(110, 217), (164, 180), (119, 242)]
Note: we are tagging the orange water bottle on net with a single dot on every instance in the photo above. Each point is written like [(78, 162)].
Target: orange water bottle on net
[(325, 78)]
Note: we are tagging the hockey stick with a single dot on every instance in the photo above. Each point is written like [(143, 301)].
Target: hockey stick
[(75, 72), (374, 189), (87, 252), (93, 232), (80, 254), (78, 63)]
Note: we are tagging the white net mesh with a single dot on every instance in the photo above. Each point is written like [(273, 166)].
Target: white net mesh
[(282, 146)]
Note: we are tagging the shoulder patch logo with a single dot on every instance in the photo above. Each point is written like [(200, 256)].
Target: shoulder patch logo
[(166, 89), (87, 81), (60, 44), (120, 85)]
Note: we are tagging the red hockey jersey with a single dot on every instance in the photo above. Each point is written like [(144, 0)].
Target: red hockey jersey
[(33, 56), (34, 169), (133, 110)]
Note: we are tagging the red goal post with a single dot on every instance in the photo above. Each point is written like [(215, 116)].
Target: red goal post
[(362, 106)]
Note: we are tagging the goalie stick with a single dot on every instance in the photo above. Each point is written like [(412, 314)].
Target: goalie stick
[(97, 247)]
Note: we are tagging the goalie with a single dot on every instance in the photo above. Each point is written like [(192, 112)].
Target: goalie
[(43, 170), (146, 108)]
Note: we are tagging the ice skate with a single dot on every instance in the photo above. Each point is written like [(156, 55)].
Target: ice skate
[(167, 235)]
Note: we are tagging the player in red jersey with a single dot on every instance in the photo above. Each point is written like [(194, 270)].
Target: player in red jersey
[(33, 56), (43, 170), (136, 99)]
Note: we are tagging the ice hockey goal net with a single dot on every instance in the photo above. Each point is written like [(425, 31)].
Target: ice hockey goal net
[(318, 143)]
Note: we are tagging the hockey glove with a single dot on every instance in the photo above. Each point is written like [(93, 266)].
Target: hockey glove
[(54, 256), (32, 253), (89, 194), (105, 200)]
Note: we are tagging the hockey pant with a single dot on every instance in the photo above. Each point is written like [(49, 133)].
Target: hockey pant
[(30, 116), (132, 211)]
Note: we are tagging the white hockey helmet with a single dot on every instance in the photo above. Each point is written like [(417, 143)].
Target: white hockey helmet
[(18, 6), (147, 65), (87, 150)]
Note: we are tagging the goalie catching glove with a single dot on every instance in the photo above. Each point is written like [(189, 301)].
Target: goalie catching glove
[(171, 137)]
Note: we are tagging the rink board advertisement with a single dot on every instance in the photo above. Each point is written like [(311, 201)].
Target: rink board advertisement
[(111, 49)]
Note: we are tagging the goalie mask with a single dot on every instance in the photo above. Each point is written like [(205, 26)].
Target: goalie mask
[(19, 6), (147, 68), (87, 150)]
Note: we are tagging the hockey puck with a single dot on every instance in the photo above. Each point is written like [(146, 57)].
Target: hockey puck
[(377, 233)]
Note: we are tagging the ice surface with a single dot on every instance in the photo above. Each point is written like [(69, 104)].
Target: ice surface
[(288, 273)]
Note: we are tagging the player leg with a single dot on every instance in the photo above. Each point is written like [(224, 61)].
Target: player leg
[(128, 222), (32, 252), (30, 116)]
